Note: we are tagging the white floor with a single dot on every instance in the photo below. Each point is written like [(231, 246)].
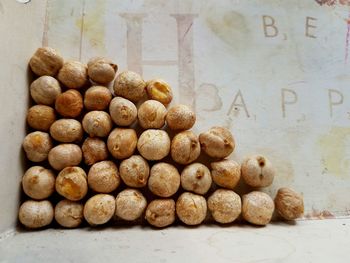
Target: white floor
[(307, 241)]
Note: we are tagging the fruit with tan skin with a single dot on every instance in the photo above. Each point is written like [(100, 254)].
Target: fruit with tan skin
[(65, 155), (46, 61), (94, 150), (164, 180), (97, 98), (71, 183), (97, 123), (158, 89), (225, 206), (180, 117), (151, 114), (123, 112), (45, 90), (289, 204), (103, 177), (101, 70), (68, 213), (217, 142), (185, 147), (134, 171), (73, 74), (226, 173), (122, 143), (36, 214), (99, 209), (130, 204), (130, 85), (66, 130), (41, 117), (154, 144), (69, 104), (257, 171), (191, 208), (161, 212), (38, 182), (257, 208), (37, 146), (196, 178)]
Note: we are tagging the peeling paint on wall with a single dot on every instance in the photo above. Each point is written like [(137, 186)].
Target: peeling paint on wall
[(315, 214), (335, 151), (230, 26), (92, 23), (333, 2)]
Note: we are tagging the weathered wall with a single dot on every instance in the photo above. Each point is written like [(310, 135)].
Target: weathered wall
[(275, 72), (21, 27)]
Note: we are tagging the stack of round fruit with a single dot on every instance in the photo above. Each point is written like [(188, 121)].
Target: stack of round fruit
[(101, 156)]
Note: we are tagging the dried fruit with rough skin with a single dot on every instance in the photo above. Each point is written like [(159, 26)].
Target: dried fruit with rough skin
[(185, 147), (38, 183), (99, 209), (40, 117), (46, 61), (180, 117), (154, 144), (123, 112), (158, 89), (161, 212), (130, 204), (257, 208), (69, 104), (73, 74), (94, 150), (196, 178), (37, 146), (225, 206), (36, 214), (257, 171), (191, 208), (134, 171), (151, 114), (66, 130), (289, 204), (65, 155), (226, 173), (103, 177), (68, 213), (97, 123), (164, 180), (71, 183), (45, 90), (122, 143), (97, 98), (218, 142), (130, 85), (101, 70)]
